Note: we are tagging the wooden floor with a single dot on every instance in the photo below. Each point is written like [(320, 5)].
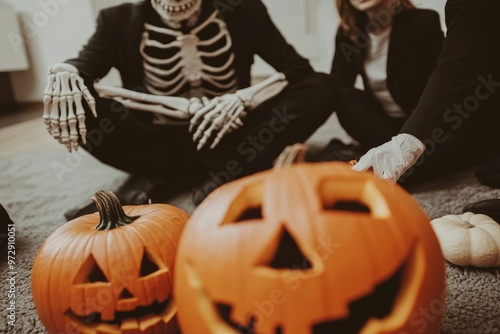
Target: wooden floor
[(23, 131)]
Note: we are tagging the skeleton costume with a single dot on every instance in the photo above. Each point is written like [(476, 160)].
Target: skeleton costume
[(209, 55), (200, 63)]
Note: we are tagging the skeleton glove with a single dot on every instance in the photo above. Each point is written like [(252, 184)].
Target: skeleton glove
[(226, 113), (62, 97), (221, 115)]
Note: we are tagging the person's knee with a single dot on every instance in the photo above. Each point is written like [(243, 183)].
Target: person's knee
[(319, 84)]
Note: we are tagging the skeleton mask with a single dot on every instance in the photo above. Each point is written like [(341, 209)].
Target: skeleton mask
[(175, 11)]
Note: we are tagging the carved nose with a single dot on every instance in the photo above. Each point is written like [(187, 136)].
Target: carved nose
[(288, 254), (126, 301), (126, 294)]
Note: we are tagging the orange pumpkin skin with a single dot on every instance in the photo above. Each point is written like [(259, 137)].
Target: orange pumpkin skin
[(89, 281), (227, 272)]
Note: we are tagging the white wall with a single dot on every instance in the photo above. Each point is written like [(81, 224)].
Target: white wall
[(326, 26), (54, 30), (310, 28), (13, 52), (437, 5)]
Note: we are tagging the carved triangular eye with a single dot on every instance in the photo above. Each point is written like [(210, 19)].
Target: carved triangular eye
[(247, 207), (252, 213), (97, 275), (90, 272), (288, 254), (359, 197), (352, 206), (147, 265)]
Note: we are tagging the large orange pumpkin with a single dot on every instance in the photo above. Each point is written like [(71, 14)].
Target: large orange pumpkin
[(111, 271), (309, 248)]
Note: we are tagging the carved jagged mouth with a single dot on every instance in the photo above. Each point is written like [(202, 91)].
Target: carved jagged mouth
[(172, 9), (379, 304), (139, 316)]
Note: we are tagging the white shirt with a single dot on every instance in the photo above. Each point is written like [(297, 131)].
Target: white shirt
[(376, 72)]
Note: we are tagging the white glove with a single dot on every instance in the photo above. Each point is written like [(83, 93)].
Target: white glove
[(62, 96), (392, 159)]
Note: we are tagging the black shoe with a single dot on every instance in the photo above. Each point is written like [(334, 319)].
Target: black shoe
[(489, 207), (489, 174), (135, 191), (336, 150)]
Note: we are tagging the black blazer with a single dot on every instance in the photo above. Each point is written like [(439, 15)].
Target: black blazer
[(116, 40), (415, 42), (463, 93)]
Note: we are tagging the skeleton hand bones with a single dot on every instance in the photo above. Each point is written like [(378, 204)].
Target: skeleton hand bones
[(225, 113), (179, 110), (62, 96)]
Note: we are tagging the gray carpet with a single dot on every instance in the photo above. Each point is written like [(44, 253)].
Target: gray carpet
[(37, 190)]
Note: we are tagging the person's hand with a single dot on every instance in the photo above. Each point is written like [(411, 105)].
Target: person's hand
[(222, 114), (62, 96), (392, 159)]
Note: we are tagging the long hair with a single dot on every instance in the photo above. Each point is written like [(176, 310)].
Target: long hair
[(350, 17)]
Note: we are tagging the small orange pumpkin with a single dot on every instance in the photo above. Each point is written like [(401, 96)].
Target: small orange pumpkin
[(113, 278), (309, 248)]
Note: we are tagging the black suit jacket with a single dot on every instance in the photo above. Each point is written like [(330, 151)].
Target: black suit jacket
[(415, 43), (116, 40), (463, 91)]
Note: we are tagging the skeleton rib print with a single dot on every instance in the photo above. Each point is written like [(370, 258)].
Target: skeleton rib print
[(195, 64)]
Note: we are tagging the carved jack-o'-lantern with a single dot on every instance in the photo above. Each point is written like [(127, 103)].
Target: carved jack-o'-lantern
[(113, 278), (309, 248)]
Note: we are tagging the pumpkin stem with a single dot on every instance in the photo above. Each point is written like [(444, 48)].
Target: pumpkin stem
[(110, 211), (466, 224), (291, 155)]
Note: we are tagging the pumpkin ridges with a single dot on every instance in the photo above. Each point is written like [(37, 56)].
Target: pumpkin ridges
[(75, 241), (136, 250), (129, 244), (72, 249), (136, 230), (456, 239), (490, 226), (313, 206), (396, 231), (400, 208), (454, 249), (157, 245), (431, 266), (445, 226), (482, 239), (46, 294), (178, 227), (78, 257), (55, 289), (208, 223)]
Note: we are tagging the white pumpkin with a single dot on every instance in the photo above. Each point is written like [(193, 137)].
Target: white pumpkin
[(469, 239)]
